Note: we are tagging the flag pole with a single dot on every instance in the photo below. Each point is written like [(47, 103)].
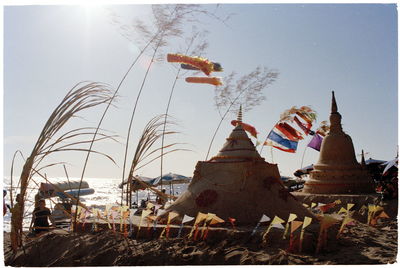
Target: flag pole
[(272, 155), (302, 159)]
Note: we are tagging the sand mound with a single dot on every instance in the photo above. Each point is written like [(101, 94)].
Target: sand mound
[(360, 244)]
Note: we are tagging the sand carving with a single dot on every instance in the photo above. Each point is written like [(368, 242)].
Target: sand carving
[(337, 170), (238, 183)]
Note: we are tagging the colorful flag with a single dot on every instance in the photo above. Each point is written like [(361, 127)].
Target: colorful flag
[(306, 129), (315, 142), (295, 225), (275, 223), (291, 133), (249, 128), (291, 218), (281, 143)]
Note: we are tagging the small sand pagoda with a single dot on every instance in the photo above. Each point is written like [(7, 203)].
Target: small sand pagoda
[(238, 183), (337, 170)]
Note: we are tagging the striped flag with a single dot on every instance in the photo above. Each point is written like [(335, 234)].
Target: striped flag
[(279, 141)]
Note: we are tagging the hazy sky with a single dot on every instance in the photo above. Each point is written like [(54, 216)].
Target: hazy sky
[(351, 49)]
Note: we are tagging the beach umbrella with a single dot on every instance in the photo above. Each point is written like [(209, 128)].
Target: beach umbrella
[(304, 170), (171, 178), (371, 161), (390, 164), (138, 186)]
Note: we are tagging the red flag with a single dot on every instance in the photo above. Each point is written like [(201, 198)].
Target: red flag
[(289, 131), (302, 126), (249, 128)]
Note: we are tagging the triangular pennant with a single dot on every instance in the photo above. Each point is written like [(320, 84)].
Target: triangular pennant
[(295, 225), (292, 217), (305, 205), (277, 220), (132, 212), (160, 212), (349, 206), (187, 218), (338, 202), (149, 205), (216, 220), (172, 215), (383, 215), (342, 210), (278, 226), (264, 218), (146, 213), (345, 222), (313, 204), (307, 221), (328, 221), (378, 208), (200, 217)]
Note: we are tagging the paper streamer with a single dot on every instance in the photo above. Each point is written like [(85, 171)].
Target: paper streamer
[(145, 213), (291, 218)]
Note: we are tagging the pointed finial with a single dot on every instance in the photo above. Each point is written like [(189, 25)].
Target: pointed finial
[(334, 105), (239, 118), (335, 117), (362, 158)]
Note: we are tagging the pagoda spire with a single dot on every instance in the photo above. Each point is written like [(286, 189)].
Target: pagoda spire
[(240, 115), (334, 105), (335, 117)]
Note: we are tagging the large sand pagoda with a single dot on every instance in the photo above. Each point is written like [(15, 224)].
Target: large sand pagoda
[(337, 170), (238, 183)]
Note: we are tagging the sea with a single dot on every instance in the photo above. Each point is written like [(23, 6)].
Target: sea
[(106, 192)]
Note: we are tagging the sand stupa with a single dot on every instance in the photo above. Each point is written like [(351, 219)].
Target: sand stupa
[(337, 170), (238, 183)]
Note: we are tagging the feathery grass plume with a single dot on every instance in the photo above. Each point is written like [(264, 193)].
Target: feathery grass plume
[(200, 45), (245, 92), (12, 174), (152, 132), (167, 23), (81, 97)]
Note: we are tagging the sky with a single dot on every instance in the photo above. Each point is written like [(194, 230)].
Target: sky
[(317, 48)]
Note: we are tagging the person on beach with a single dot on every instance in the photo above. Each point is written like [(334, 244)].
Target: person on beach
[(161, 199), (41, 215), (4, 202), (16, 226)]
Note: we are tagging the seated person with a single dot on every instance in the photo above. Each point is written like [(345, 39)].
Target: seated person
[(41, 214), (161, 199)]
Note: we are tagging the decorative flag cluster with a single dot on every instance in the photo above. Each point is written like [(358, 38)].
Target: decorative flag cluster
[(294, 227), (198, 63), (284, 136)]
